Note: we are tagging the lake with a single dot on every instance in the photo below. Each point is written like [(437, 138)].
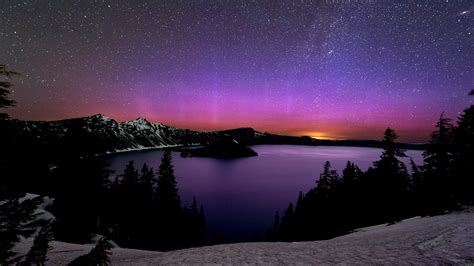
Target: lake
[(241, 196)]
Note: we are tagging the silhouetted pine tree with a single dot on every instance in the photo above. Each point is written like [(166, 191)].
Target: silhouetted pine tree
[(351, 174), (351, 198), (81, 205), (463, 157), (132, 207), (194, 227), (170, 233), (98, 256), (147, 181), (300, 203), (130, 175), (5, 86), (166, 190), (41, 245), (328, 181), (436, 191), (287, 230), (417, 188), (391, 179), (17, 218), (390, 152)]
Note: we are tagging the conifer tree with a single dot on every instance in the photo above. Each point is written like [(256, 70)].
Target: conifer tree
[(390, 151), (351, 174), (350, 196), (464, 156), (437, 166), (130, 175), (41, 245), (166, 190), (5, 86), (287, 224), (98, 256), (195, 224), (438, 155), (17, 218), (147, 180), (328, 180), (299, 203), (81, 199), (390, 179)]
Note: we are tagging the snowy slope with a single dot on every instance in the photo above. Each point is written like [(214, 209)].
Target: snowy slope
[(99, 134), (446, 239)]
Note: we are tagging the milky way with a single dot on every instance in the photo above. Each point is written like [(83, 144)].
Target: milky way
[(337, 69)]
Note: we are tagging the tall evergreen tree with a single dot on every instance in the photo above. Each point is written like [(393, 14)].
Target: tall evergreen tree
[(166, 190), (130, 175), (464, 156), (41, 245), (351, 197), (132, 207), (300, 203), (438, 154), (17, 218), (5, 86), (287, 230), (147, 181), (390, 150), (81, 194), (351, 174), (437, 192), (328, 180), (391, 179)]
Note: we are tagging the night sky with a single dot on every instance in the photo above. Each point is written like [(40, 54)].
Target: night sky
[(329, 69)]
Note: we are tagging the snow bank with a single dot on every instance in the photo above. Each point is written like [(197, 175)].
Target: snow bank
[(446, 239), (42, 213)]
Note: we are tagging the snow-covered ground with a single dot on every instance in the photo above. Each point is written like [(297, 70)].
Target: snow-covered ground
[(446, 239)]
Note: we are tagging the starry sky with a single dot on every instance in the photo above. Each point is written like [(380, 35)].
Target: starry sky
[(328, 69)]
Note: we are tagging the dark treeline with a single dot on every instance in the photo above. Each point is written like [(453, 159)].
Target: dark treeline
[(386, 192), (140, 209)]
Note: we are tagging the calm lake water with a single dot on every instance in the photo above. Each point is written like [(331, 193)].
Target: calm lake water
[(241, 196)]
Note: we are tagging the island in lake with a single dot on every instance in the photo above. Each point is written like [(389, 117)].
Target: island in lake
[(222, 147)]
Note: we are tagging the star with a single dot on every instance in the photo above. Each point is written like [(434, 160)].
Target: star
[(466, 12)]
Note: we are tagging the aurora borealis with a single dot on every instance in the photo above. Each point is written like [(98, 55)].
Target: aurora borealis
[(329, 69)]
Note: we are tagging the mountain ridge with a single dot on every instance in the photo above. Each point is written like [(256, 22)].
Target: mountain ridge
[(99, 134)]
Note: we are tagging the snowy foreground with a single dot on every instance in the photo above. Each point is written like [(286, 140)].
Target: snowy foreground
[(439, 240)]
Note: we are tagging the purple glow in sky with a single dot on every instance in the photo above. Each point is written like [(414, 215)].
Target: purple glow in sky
[(329, 69)]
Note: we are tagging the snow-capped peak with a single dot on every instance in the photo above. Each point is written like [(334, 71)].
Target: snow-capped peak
[(101, 117)]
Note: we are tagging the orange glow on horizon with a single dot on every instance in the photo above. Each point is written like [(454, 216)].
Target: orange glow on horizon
[(319, 135)]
